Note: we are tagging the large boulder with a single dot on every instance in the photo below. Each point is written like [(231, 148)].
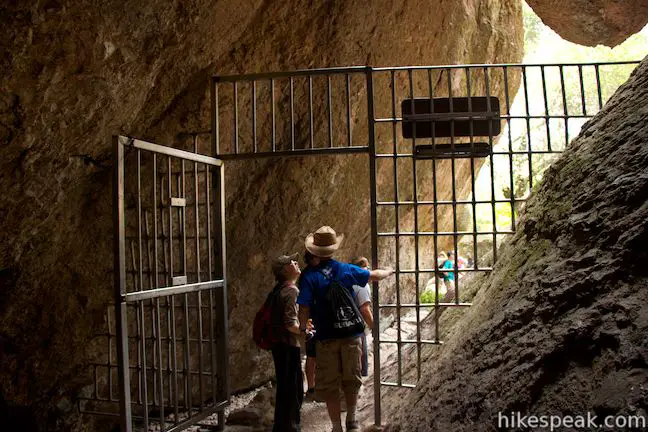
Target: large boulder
[(559, 326), (75, 74), (593, 22)]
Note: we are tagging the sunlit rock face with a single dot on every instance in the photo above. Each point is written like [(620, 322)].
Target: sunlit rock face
[(559, 326), (593, 22), (74, 74)]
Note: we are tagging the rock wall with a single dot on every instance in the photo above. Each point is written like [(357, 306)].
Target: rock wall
[(593, 22), (77, 73), (559, 326)]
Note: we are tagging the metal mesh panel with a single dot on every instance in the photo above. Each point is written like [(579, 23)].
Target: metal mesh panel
[(166, 357)]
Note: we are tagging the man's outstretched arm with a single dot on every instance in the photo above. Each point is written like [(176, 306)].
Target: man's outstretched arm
[(380, 274)]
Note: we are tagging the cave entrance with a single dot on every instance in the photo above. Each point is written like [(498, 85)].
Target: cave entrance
[(453, 153)]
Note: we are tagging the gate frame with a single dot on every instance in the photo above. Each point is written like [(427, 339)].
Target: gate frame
[(122, 297), (371, 150)]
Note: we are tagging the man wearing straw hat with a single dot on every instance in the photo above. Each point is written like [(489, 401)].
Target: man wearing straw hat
[(338, 359)]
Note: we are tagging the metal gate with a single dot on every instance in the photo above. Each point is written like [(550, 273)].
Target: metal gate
[(166, 363), (453, 152)]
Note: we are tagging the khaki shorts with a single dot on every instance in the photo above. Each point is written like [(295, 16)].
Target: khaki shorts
[(338, 366)]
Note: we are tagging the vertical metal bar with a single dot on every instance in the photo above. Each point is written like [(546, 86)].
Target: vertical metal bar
[(330, 111), (138, 335), (120, 287), (416, 234), (182, 215), (453, 170), (144, 384), (598, 87), (187, 365), (199, 279), (472, 166), (272, 113), (221, 269), (171, 315), (214, 117), (435, 214), (110, 365), (141, 361), (528, 125), (546, 105), (166, 250), (236, 133), (492, 168), (510, 151), (397, 231), (292, 114), (139, 217), (582, 89), (564, 100), (310, 110), (254, 119), (348, 109), (374, 242), (212, 338), (170, 210), (147, 231), (158, 325)]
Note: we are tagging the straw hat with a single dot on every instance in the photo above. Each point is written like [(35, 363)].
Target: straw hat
[(324, 242)]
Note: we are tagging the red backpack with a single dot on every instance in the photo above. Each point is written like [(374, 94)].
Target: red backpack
[(266, 330)]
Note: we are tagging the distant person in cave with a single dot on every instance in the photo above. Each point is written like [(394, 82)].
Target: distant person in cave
[(363, 300), (449, 277), (338, 358)]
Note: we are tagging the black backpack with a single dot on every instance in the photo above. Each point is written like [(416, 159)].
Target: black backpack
[(340, 315)]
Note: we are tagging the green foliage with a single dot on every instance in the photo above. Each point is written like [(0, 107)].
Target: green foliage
[(532, 27), (570, 90), (427, 297)]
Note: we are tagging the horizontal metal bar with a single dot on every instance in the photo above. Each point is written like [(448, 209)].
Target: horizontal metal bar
[(105, 414), (431, 270), (151, 368), (393, 384), (302, 152), (509, 153), (178, 202), (361, 69), (500, 65), (441, 234), (198, 417), (467, 116), (195, 418), (299, 72), (167, 291), (407, 341), (426, 305), (449, 202), (169, 151)]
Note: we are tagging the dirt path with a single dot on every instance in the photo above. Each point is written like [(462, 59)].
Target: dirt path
[(315, 418)]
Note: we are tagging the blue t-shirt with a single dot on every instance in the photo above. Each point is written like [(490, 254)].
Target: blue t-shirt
[(313, 284), (449, 275)]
